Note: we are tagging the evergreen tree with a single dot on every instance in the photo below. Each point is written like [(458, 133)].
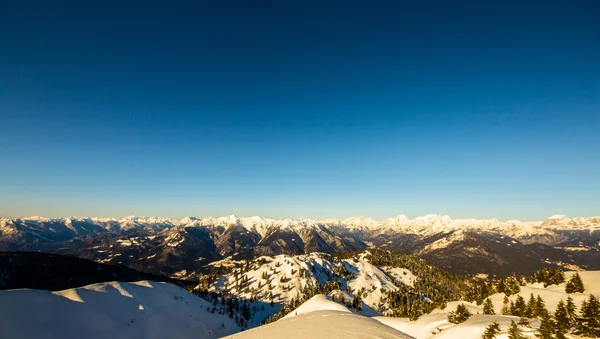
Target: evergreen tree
[(509, 285), (575, 284), (460, 315), (357, 303), (524, 322), (488, 307), (519, 308), (540, 307), (547, 328), (589, 324), (571, 311), (552, 276), (514, 332), (530, 310), (491, 331), (562, 321), (505, 306)]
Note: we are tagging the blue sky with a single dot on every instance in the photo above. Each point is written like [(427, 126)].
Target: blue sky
[(300, 109)]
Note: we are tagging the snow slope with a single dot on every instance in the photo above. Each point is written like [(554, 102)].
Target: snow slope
[(554, 293), (318, 303), (287, 275), (437, 326), (142, 309), (323, 324), (370, 279), (401, 275)]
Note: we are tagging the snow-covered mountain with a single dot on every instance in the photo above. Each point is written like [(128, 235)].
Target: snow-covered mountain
[(148, 309), (273, 281), (270, 287), (143, 309), (167, 246), (39, 232), (61, 228), (330, 324), (323, 317)]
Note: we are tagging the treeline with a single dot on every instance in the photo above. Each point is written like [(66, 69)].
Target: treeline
[(565, 320), (433, 288), (478, 291)]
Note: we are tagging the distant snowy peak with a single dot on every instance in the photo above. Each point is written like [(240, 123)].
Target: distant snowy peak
[(558, 220), (564, 222), (424, 226), (60, 229), (361, 223)]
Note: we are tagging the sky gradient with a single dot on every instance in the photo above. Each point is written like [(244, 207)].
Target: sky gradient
[(300, 109)]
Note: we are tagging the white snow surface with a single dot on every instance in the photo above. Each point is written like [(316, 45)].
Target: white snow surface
[(401, 275), (143, 309), (554, 293), (284, 277), (288, 274), (318, 303), (368, 278), (323, 324), (437, 326)]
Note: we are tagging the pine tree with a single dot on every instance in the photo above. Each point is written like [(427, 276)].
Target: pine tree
[(562, 322), (357, 303), (524, 322), (571, 311), (575, 284), (547, 328), (552, 276), (491, 331), (530, 310), (519, 308), (509, 285), (589, 324), (505, 306), (514, 332), (488, 307), (460, 315), (540, 307)]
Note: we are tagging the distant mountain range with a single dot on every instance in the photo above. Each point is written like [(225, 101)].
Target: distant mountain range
[(182, 248)]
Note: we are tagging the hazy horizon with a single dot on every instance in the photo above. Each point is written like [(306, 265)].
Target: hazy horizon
[(284, 217)]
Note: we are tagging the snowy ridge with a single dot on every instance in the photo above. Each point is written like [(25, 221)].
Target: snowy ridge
[(425, 225), (323, 324), (436, 325), (143, 309), (561, 241), (273, 281), (318, 303), (79, 226), (322, 318)]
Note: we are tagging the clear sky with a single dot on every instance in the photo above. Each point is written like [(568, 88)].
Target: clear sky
[(300, 108)]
